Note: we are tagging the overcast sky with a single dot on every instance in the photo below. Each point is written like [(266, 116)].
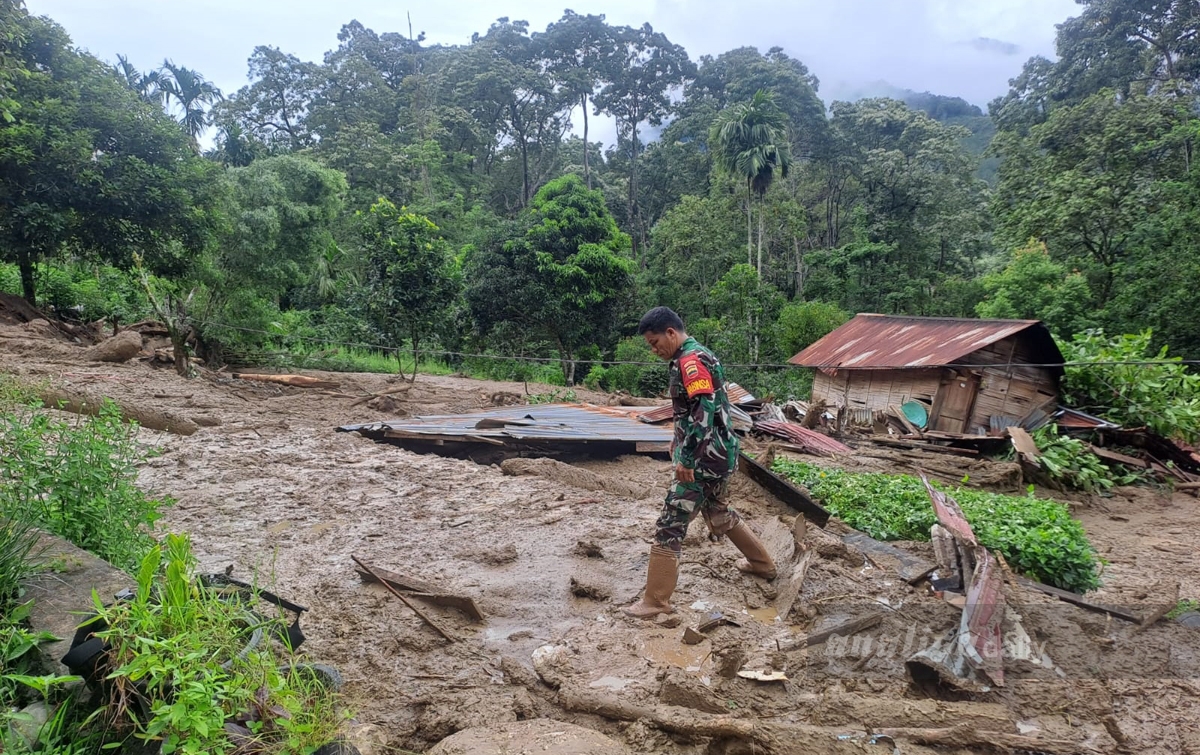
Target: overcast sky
[(965, 48)]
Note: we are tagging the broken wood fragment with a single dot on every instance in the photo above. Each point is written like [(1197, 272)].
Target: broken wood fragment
[(421, 614), (418, 588), (846, 629), (785, 491), (299, 381), (1024, 445), (793, 584), (923, 446), (86, 404), (1154, 617), (1078, 600), (968, 736)]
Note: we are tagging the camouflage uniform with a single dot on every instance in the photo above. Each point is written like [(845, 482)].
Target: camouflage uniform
[(704, 442)]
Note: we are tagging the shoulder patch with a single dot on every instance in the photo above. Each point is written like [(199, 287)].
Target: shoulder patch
[(697, 380)]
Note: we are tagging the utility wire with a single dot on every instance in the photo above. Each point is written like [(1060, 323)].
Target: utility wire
[(607, 362)]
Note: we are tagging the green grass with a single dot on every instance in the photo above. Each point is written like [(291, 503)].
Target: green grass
[(347, 359), (1037, 537), (1184, 606)]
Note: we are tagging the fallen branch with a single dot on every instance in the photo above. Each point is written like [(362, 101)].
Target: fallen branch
[(842, 630), (423, 616), (299, 381), (967, 736), (423, 590), (392, 392), (82, 403)]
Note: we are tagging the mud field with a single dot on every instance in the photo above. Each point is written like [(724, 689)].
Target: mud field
[(266, 486)]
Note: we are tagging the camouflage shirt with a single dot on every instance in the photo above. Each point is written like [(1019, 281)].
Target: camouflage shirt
[(704, 437)]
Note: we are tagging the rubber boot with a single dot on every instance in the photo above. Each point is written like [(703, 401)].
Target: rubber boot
[(661, 577), (757, 561)]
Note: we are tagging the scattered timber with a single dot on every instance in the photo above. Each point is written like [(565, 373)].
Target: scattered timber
[(417, 588), (1078, 600), (433, 623), (920, 446), (846, 629), (299, 381), (785, 491), (83, 403)]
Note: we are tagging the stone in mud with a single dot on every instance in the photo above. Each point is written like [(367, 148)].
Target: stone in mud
[(120, 348), (500, 555), (540, 735), (552, 663)]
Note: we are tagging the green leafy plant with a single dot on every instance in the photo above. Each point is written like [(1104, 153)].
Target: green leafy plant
[(1038, 537), (567, 396), (1187, 605), (1070, 461), (186, 666), (77, 480), (1120, 387)]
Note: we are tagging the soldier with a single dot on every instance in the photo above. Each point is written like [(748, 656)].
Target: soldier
[(704, 451)]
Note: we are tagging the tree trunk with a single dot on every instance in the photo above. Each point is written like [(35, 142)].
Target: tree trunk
[(749, 226), (179, 347), (631, 209), (28, 286), (760, 236), (524, 172), (587, 170), (416, 349)]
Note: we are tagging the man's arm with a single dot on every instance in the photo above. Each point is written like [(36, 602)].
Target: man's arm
[(697, 425)]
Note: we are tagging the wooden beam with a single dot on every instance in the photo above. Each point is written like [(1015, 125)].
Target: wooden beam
[(785, 491), (1078, 600), (843, 630), (924, 446)]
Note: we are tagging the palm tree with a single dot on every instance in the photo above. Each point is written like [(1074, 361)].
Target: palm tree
[(749, 142), (194, 94), (147, 85)]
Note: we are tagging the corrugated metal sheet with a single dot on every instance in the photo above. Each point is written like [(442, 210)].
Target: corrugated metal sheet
[(1075, 419), (737, 395), (879, 342), (549, 422), (810, 440)]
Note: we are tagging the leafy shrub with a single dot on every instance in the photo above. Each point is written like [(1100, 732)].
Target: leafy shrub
[(648, 379), (802, 324), (10, 278), (181, 669), (597, 378), (1164, 397), (1071, 462), (1037, 537), (76, 479)]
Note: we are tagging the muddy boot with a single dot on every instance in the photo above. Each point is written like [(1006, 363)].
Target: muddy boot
[(757, 561), (660, 583)]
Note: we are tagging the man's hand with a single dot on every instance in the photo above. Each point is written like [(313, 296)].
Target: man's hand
[(683, 474)]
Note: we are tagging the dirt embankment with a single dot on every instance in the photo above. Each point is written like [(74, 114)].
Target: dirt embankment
[(550, 550)]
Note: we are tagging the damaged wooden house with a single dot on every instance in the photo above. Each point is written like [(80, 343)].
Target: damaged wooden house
[(947, 375)]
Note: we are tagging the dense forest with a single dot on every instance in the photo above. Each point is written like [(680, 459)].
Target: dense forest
[(436, 200)]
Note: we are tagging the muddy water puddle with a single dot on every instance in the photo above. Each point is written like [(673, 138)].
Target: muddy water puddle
[(664, 646)]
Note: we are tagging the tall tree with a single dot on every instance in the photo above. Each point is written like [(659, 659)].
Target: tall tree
[(576, 49), (507, 90), (411, 281), (12, 34), (567, 278), (86, 162), (273, 107), (640, 75), (192, 93), (750, 143)]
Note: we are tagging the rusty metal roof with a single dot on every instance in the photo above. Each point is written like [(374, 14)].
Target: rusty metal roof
[(541, 423), (876, 342), (736, 393)]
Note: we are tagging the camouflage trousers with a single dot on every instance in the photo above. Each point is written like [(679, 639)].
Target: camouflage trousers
[(686, 500)]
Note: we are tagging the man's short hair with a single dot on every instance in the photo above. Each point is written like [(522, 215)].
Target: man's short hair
[(658, 320)]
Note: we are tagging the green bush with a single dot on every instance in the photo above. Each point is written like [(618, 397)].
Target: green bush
[(636, 379), (597, 378), (801, 324), (1037, 537), (1164, 397), (77, 480), (1071, 462), (181, 669), (10, 279)]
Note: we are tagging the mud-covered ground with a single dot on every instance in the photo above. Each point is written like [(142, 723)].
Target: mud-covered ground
[(266, 485)]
